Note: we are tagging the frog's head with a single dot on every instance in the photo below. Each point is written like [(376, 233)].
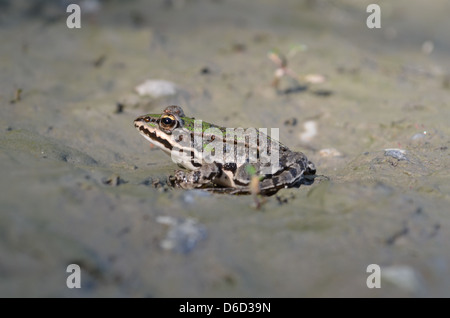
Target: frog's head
[(158, 128)]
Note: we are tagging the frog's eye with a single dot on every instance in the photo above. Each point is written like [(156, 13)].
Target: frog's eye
[(167, 121)]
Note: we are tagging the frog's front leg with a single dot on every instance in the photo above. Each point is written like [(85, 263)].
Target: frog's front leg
[(204, 177)]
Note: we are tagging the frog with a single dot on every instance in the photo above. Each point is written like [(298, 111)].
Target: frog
[(224, 160)]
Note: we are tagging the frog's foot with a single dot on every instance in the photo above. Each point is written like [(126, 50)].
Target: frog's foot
[(293, 176), (285, 179), (202, 178), (310, 168), (189, 180)]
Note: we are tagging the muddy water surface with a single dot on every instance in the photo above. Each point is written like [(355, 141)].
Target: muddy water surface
[(80, 186)]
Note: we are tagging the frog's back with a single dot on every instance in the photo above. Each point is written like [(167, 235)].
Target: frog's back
[(223, 157)]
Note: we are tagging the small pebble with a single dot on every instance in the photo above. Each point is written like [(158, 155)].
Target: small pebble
[(113, 181), (315, 78), (418, 136), (290, 122), (310, 131), (119, 108), (404, 277), (156, 88), (205, 71), (398, 154), (329, 152), (183, 234)]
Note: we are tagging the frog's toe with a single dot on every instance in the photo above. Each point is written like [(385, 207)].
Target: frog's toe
[(180, 180), (191, 180), (180, 175), (310, 168)]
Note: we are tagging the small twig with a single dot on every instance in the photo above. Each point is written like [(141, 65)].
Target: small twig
[(282, 69), (254, 188), (100, 60), (17, 96)]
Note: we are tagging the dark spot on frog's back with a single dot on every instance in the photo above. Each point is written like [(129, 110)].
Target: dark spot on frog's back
[(275, 180), (195, 163), (230, 166), (220, 169), (294, 172), (196, 176)]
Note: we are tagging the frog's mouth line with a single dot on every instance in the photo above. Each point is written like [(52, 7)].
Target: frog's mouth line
[(153, 136), (168, 147)]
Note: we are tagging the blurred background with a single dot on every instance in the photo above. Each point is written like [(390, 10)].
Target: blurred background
[(370, 107)]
